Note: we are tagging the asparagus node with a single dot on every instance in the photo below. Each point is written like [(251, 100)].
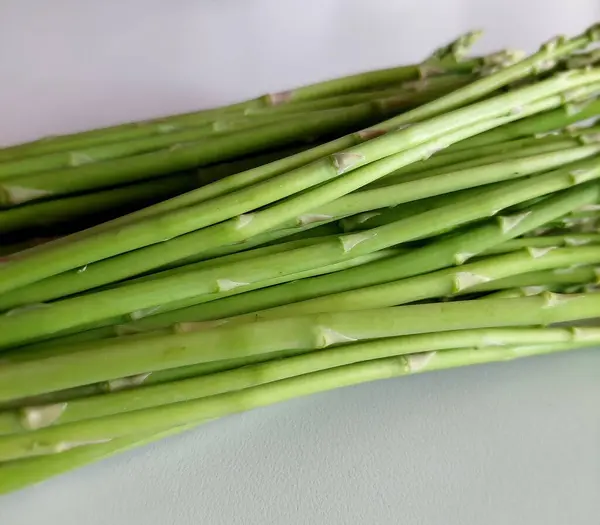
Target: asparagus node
[(56, 439)]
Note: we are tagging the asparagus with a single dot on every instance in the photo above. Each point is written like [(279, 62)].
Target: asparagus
[(43, 322), (193, 344), (455, 249), (20, 473), (443, 283), (383, 146), (181, 247), (46, 214), (556, 277), (59, 438), (449, 162), (350, 204), (35, 417), (398, 98), (185, 155), (273, 102), (539, 124)]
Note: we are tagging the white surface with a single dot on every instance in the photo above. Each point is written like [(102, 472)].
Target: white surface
[(514, 443)]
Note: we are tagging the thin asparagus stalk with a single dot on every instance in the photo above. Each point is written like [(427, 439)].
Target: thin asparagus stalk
[(383, 146), (575, 239), (72, 159), (463, 159), (359, 82), (35, 417), (442, 283), (455, 249), (194, 343), (23, 472), (413, 190), (55, 439), (556, 277), (49, 213), (555, 119), (185, 155)]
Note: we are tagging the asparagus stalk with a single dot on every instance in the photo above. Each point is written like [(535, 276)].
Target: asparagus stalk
[(228, 232), (45, 215), (399, 98), (575, 239), (276, 102), (383, 146), (193, 344), (18, 474), (455, 249), (553, 278), (443, 283), (59, 438), (547, 122), (63, 315), (463, 159), (185, 155), (350, 204), (35, 417), (81, 311)]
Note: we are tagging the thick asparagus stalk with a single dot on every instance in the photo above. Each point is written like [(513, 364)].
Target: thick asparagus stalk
[(35, 417), (59, 438), (383, 146)]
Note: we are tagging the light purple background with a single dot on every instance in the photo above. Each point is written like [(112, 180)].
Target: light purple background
[(505, 444)]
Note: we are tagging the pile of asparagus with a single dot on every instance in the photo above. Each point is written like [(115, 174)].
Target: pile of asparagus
[(297, 243)]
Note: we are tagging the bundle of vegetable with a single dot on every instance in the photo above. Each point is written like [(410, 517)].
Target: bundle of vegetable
[(457, 232)]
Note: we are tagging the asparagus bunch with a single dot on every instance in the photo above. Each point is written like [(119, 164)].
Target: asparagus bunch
[(457, 232)]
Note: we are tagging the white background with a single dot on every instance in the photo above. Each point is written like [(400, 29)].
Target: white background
[(514, 443)]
